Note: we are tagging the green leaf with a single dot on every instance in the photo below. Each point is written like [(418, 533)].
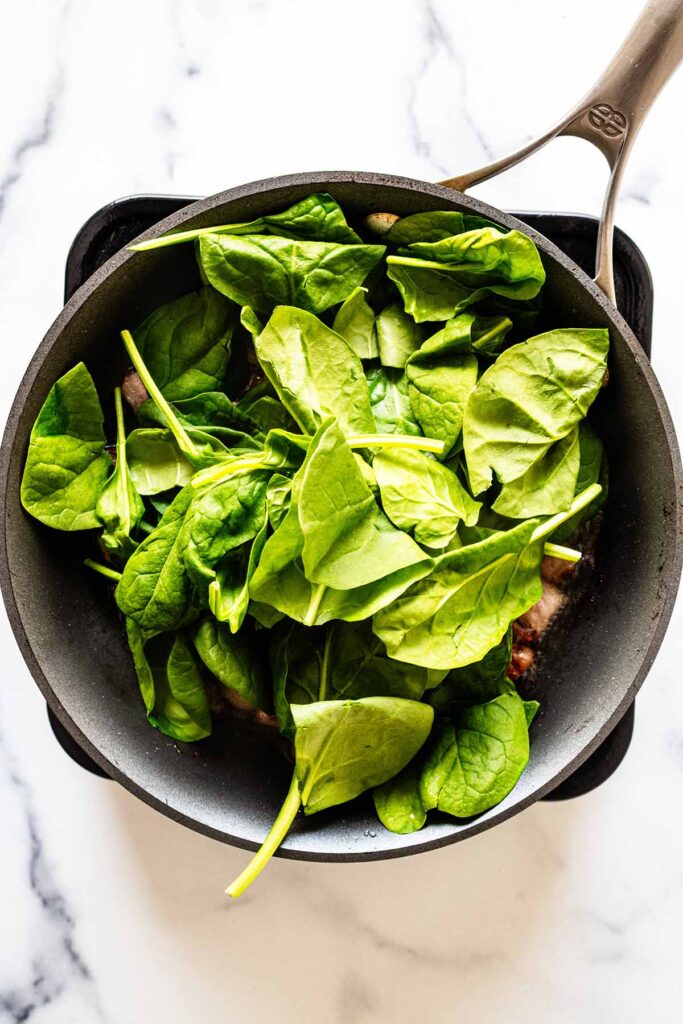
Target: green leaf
[(420, 494), (157, 464), (120, 507), (278, 497), (232, 660), (339, 519), (439, 388), (155, 590), (398, 802), (317, 217), (221, 519), (473, 763), (343, 748), (171, 684), (548, 486), (430, 226), (186, 343), (314, 372), (463, 608), (360, 666), (398, 337), (390, 403), (355, 322), (531, 397), (439, 279), (467, 333), (477, 683), (66, 465), (262, 271), (592, 470), (229, 591), (208, 411)]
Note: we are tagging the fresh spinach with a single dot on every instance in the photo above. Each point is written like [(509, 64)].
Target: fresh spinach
[(390, 401), (355, 322), (66, 465), (398, 337), (232, 660), (548, 485), (119, 507)]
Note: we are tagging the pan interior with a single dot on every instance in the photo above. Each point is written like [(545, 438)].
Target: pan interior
[(231, 785)]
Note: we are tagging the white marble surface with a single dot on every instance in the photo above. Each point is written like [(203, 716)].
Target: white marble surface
[(570, 912)]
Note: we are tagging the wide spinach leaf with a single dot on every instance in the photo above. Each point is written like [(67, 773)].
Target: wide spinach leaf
[(439, 279), (439, 385), (233, 661), (475, 761), (548, 486), (186, 343), (421, 495), (155, 590), (431, 226), (171, 684), (390, 401), (314, 371), (398, 336), (66, 465), (355, 322), (264, 271), (531, 397)]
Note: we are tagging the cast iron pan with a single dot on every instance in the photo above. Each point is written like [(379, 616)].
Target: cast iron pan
[(230, 786)]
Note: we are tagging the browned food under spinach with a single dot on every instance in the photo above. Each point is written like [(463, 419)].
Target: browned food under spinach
[(357, 454)]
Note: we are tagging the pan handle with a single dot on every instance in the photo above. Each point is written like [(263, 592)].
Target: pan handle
[(611, 114)]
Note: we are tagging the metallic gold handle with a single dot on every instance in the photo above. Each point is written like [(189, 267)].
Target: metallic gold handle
[(611, 114)]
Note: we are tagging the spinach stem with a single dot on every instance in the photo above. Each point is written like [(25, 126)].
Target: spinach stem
[(103, 570), (314, 606), (560, 551), (325, 665), (424, 444), (578, 503), (214, 474), (278, 831), (184, 442), (246, 227)]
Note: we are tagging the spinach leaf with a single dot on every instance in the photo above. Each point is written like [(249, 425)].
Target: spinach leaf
[(157, 464), (355, 322), (548, 486), (477, 683), (231, 659), (431, 226), (279, 581), (473, 763), (420, 494), (360, 667), (119, 507), (398, 802), (229, 591), (278, 497), (221, 519), (344, 747), (390, 403), (592, 470), (532, 396), (339, 519), (66, 465), (439, 279), (318, 217), (155, 590), (465, 333), (314, 372), (398, 336), (209, 411), (186, 343), (171, 684), (263, 271), (438, 388), (463, 608)]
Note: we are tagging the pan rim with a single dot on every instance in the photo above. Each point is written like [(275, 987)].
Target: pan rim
[(509, 807)]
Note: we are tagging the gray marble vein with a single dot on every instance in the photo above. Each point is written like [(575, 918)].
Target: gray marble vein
[(56, 963)]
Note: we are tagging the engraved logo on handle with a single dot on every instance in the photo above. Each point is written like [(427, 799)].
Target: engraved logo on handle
[(608, 121)]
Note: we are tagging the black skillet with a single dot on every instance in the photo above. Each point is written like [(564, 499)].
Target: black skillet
[(231, 786)]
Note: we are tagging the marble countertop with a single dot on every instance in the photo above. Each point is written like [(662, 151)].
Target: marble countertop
[(568, 913)]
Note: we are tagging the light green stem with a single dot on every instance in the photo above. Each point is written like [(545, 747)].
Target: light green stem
[(581, 500), (246, 227), (325, 665), (278, 831), (560, 551), (103, 570), (181, 436), (221, 471), (423, 444), (314, 606)]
